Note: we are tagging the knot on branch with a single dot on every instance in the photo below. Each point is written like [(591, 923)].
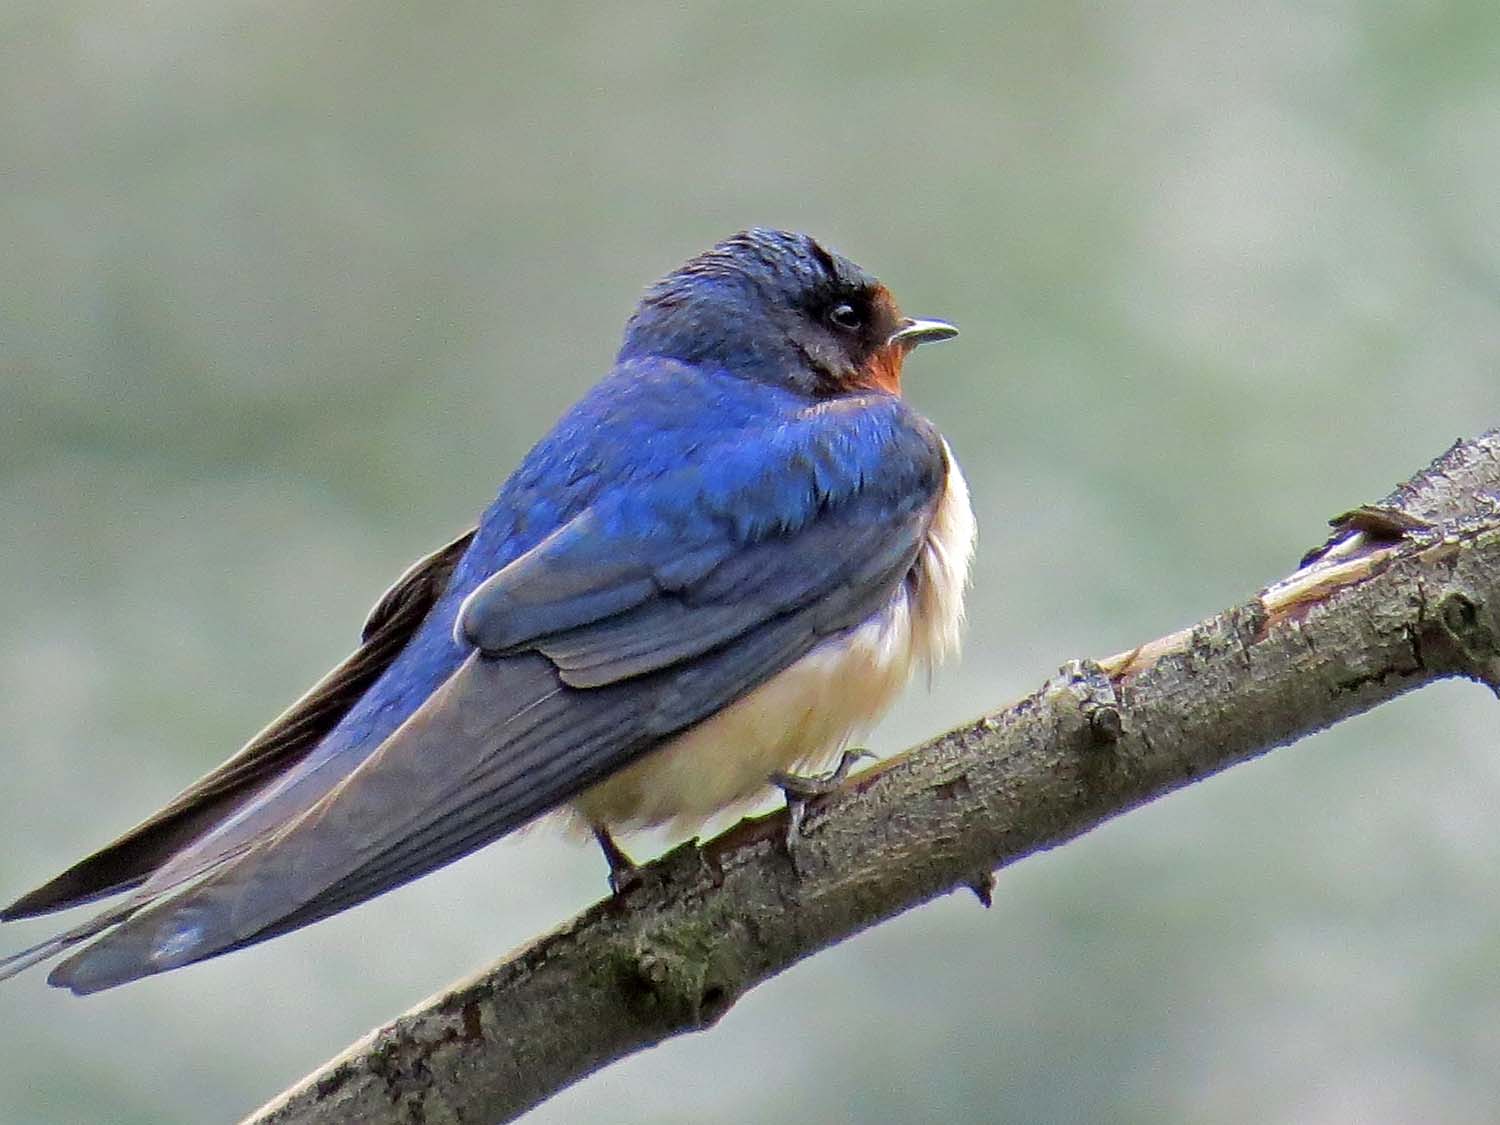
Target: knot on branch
[(681, 981), (1097, 702), (1466, 631)]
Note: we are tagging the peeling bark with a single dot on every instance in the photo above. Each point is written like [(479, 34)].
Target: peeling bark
[(1405, 592)]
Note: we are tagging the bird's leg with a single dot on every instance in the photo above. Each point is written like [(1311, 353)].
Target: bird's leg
[(800, 790), (622, 869)]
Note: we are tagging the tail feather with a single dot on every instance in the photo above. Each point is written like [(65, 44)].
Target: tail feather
[(16, 963), (117, 914), (136, 856)]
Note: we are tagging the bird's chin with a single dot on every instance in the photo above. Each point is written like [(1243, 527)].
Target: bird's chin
[(882, 371)]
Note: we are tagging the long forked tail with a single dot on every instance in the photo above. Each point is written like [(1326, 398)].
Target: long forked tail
[(16, 963), (129, 861), (141, 853), (121, 912)]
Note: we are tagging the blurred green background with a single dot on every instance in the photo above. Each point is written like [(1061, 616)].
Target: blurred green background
[(287, 289)]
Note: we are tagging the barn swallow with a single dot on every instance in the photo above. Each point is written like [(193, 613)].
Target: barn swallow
[(720, 565)]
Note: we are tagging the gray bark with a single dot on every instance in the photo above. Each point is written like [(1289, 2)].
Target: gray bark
[(1404, 593)]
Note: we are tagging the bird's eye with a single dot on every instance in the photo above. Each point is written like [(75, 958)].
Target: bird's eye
[(844, 316)]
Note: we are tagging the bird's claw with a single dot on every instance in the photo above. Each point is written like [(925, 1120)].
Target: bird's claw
[(802, 789), (805, 787)]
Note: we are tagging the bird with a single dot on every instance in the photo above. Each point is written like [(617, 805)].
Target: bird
[(720, 565)]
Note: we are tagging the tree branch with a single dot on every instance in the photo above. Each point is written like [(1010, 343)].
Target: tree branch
[(1405, 592)]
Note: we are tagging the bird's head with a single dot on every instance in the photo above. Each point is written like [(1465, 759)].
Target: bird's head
[(777, 307)]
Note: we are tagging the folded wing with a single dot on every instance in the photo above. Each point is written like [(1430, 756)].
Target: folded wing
[(645, 614)]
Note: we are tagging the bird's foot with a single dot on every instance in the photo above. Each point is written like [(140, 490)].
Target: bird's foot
[(801, 790), (623, 872)]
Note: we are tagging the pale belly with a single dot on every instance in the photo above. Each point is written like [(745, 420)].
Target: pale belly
[(803, 715)]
